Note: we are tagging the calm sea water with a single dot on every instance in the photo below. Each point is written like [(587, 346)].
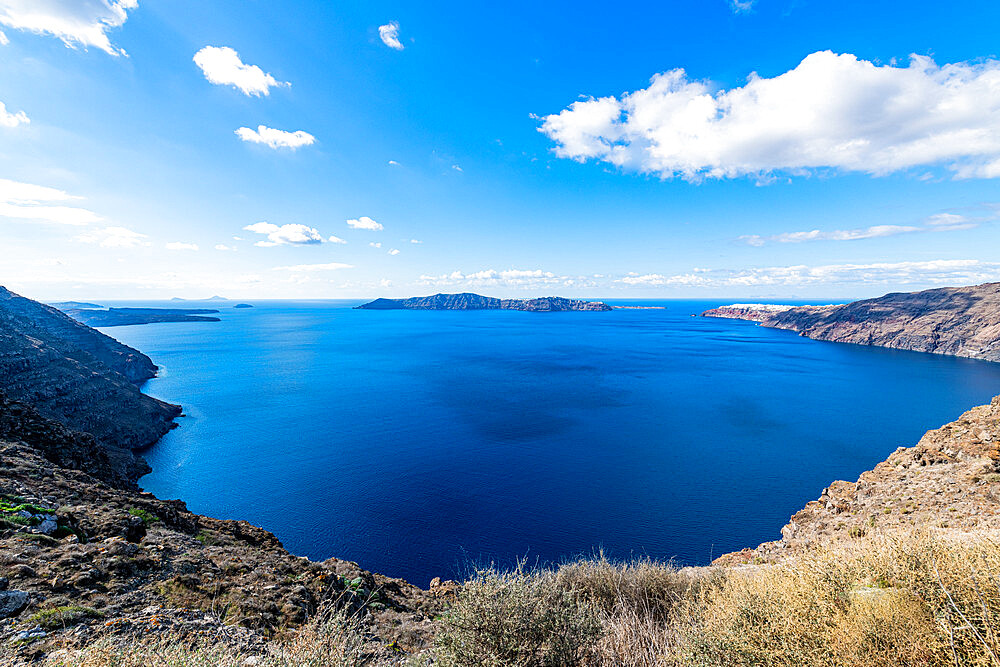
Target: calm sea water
[(418, 443)]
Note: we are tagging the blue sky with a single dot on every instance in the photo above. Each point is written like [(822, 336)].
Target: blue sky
[(511, 149)]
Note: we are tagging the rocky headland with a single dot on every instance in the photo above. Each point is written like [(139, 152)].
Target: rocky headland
[(960, 321), (469, 301), (119, 317)]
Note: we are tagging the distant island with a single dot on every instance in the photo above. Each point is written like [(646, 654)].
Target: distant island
[(117, 317), (243, 305), (75, 305), (960, 321), (469, 301), (211, 298)]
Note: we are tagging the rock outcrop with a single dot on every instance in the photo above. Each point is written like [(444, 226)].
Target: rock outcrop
[(81, 378), (949, 481), (469, 301), (960, 321)]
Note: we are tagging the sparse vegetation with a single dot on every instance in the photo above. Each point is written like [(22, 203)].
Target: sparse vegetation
[(58, 617), (147, 517), (881, 601)]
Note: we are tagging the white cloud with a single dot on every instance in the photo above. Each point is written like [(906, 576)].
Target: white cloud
[(394, 252), (291, 234), (831, 111), (114, 237), (364, 222), (224, 248), (956, 272), (390, 35), (175, 245), (944, 222), (375, 245), (276, 138), (302, 268), (3, 38), (415, 241), (222, 66), (456, 167), (8, 119), (336, 239), (513, 278), (26, 201), (741, 6), (874, 232), (393, 163), (76, 22)]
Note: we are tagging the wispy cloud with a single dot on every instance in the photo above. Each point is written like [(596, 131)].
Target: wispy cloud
[(307, 268), (513, 278), (394, 252), (364, 222), (222, 66), (76, 22), (276, 138), (176, 245), (114, 237), (290, 234), (830, 112), (939, 222), (389, 33), (26, 201), (8, 119), (741, 6), (942, 271)]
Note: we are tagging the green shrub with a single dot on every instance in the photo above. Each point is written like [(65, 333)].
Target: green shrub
[(59, 617)]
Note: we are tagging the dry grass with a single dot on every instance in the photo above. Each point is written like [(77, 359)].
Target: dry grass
[(906, 601)]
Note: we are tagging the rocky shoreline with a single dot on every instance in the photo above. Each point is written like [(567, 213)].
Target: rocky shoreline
[(958, 321), (469, 301)]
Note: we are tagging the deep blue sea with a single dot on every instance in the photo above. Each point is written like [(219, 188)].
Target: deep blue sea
[(421, 443)]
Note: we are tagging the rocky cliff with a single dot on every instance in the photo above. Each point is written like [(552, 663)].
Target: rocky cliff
[(83, 379), (469, 301), (81, 560), (961, 321)]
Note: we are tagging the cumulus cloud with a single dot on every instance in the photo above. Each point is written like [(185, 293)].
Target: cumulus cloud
[(942, 271), (26, 201), (114, 237), (304, 268), (222, 66), (390, 35), (291, 234), (831, 111), (394, 252), (175, 245), (276, 138), (336, 239), (8, 119), (373, 244), (364, 222), (78, 23)]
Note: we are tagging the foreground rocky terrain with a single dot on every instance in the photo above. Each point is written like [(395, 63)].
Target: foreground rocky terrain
[(469, 301), (81, 560), (960, 321)]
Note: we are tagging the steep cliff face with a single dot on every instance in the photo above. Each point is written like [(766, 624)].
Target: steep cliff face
[(469, 301), (81, 378), (961, 321)]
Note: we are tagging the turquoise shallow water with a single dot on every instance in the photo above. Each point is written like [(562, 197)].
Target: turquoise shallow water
[(418, 443)]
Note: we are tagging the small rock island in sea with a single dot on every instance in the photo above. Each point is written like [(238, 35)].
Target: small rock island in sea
[(469, 301)]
